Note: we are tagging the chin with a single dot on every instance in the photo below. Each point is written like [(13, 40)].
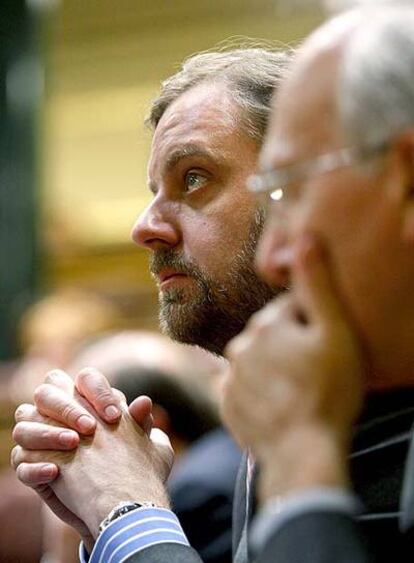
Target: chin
[(183, 323)]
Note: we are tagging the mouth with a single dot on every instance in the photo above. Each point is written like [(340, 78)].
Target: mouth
[(169, 277)]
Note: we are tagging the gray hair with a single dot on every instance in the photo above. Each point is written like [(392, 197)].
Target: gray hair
[(376, 83), (251, 74)]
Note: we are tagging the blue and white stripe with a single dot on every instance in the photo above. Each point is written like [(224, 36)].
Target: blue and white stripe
[(133, 532)]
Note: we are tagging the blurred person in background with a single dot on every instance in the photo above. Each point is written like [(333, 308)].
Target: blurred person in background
[(21, 527), (50, 331), (202, 229)]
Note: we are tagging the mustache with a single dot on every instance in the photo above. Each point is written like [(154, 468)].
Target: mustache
[(172, 259)]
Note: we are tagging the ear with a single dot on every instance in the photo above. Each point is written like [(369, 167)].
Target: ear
[(405, 147)]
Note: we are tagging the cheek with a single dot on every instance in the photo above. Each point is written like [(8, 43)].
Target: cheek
[(359, 231), (213, 237), (351, 220)]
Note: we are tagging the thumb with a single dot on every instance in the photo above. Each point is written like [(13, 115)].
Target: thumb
[(141, 411), (312, 282)]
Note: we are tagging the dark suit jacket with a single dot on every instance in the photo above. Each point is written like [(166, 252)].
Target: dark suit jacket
[(383, 474), (201, 489), (382, 467)]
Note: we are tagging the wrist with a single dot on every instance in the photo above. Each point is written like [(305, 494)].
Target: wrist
[(157, 497), (304, 458), (124, 507)]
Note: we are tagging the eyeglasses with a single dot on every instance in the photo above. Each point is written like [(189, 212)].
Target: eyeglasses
[(275, 182)]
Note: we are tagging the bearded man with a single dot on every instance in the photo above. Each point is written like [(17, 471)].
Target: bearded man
[(201, 228)]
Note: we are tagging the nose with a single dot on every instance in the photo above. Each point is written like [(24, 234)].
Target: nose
[(153, 230), (274, 255)]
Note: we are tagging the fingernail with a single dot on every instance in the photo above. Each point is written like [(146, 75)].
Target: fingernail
[(67, 438), (112, 412), (47, 470), (86, 423)]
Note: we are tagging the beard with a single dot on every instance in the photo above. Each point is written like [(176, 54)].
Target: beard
[(213, 313)]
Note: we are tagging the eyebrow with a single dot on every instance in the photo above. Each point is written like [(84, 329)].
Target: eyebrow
[(186, 151)]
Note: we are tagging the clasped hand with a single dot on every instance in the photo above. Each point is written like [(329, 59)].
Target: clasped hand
[(83, 451)]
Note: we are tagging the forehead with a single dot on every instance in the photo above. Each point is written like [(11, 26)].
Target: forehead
[(204, 116), (305, 120)]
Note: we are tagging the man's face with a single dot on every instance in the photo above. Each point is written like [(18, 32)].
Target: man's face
[(356, 212), (202, 225)]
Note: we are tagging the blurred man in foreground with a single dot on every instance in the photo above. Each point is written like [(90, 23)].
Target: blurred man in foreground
[(339, 165)]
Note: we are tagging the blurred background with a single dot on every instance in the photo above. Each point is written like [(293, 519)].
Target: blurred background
[(76, 81)]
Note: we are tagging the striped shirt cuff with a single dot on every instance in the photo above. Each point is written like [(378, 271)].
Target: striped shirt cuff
[(133, 532)]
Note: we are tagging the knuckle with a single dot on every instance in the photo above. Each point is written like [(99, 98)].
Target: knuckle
[(238, 347), (83, 375), (53, 376), (46, 435), (96, 387), (263, 321), (228, 380), (90, 377), (104, 396), (225, 408), (256, 320), (118, 395), (23, 412), (21, 474), (229, 350), (18, 431), (24, 474), (14, 456), (69, 412), (41, 392), (266, 317)]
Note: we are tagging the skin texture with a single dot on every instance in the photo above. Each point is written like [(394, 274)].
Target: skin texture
[(70, 402), (362, 216), (198, 213), (202, 222), (83, 473)]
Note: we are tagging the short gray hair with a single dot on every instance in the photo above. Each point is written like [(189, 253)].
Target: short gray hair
[(251, 74), (376, 83)]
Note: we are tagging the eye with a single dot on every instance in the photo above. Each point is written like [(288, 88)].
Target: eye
[(194, 180)]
